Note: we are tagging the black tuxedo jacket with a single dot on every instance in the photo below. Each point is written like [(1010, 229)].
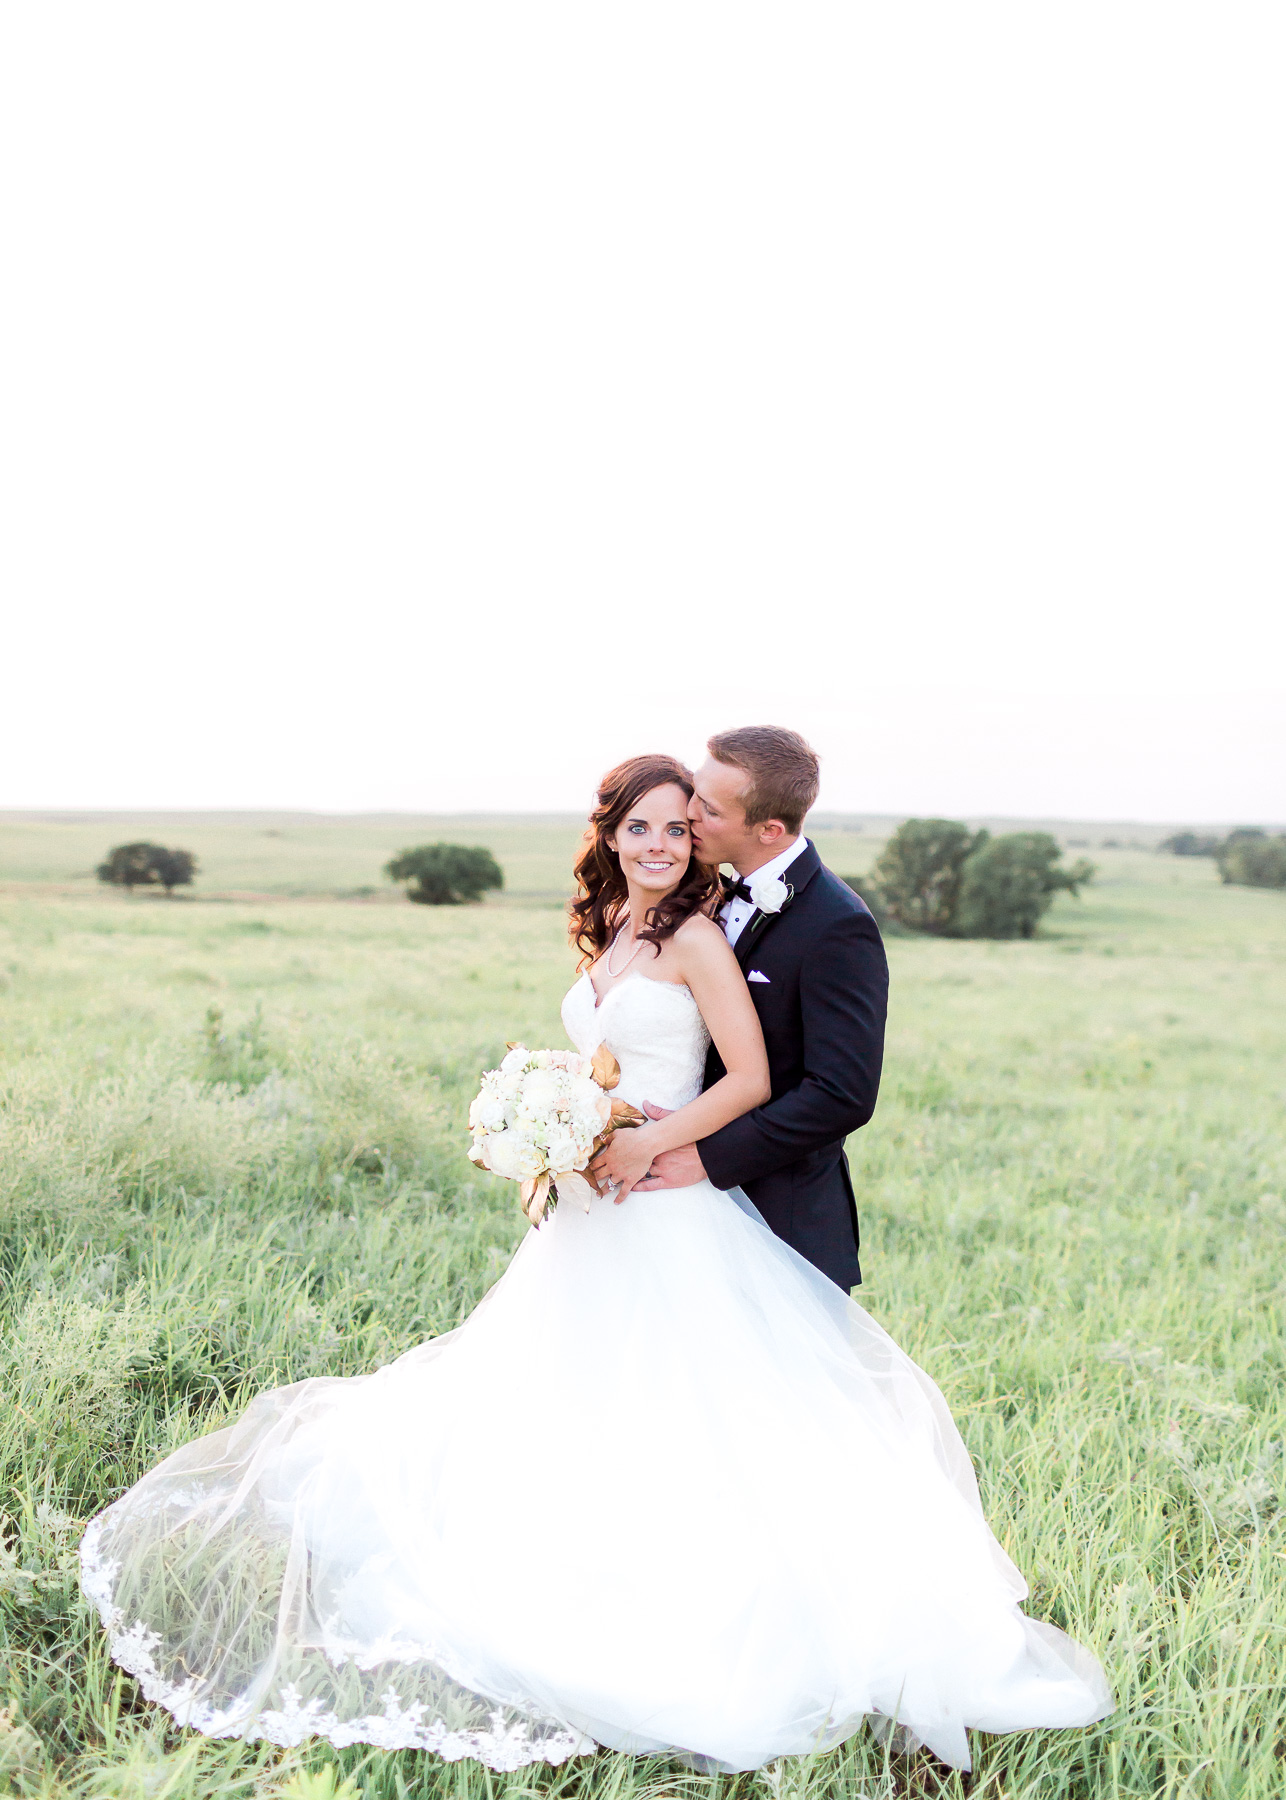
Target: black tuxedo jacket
[(821, 1004)]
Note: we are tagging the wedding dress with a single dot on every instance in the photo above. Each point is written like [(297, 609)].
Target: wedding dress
[(667, 1490)]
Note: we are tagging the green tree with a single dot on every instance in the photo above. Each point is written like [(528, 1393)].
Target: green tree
[(148, 865), (1190, 843), (1250, 858), (918, 871), (175, 868), (1009, 882), (445, 874)]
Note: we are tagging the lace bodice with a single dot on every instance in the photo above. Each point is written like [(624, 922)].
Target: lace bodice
[(655, 1031)]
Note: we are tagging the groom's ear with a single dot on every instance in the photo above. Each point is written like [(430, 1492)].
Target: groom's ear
[(771, 831)]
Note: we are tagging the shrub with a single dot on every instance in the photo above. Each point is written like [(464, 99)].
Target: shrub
[(1250, 858), (445, 874), (1190, 843), (918, 871), (1008, 883), (148, 865), (175, 868)]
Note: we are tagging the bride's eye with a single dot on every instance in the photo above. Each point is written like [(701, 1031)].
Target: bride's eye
[(678, 831)]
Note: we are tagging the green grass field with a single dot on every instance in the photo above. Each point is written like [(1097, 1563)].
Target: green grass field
[(231, 1154), (309, 856)]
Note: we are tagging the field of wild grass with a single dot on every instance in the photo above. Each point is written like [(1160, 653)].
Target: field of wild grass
[(231, 1154)]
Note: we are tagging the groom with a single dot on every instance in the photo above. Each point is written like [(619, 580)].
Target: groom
[(814, 962)]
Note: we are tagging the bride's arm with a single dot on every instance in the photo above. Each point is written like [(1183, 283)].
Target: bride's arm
[(705, 961)]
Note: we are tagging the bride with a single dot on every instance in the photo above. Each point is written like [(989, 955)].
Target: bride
[(667, 1490)]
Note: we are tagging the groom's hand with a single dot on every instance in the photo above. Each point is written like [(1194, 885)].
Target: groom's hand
[(678, 1168), (673, 1169)]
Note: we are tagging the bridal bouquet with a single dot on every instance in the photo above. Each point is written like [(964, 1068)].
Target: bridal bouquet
[(540, 1119)]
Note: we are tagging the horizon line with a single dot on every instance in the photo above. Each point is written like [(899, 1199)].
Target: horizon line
[(819, 819)]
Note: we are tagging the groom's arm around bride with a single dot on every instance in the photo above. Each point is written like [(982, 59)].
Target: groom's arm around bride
[(818, 976)]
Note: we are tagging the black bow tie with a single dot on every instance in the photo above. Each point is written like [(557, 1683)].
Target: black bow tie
[(734, 888)]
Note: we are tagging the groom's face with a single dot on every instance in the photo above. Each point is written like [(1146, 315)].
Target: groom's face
[(718, 817)]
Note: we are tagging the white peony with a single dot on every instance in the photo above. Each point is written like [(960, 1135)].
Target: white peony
[(563, 1152), (541, 1091), (514, 1156)]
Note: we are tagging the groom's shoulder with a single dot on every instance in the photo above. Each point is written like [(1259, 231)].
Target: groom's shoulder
[(832, 896)]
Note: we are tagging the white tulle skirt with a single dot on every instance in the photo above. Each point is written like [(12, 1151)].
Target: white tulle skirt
[(667, 1490)]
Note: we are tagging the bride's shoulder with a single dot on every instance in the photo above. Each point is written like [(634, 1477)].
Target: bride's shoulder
[(700, 940), (697, 928)]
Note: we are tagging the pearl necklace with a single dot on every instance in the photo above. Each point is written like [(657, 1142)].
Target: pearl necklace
[(612, 973)]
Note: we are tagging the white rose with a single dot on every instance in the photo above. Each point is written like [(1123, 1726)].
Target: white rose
[(491, 1113), (562, 1152), (513, 1156), (769, 896), (516, 1061)]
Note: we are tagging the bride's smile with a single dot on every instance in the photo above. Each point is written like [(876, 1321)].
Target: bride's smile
[(655, 843)]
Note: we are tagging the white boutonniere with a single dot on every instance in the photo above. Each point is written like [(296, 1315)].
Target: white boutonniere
[(769, 896)]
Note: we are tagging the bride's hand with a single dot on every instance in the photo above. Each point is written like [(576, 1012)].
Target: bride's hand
[(626, 1160)]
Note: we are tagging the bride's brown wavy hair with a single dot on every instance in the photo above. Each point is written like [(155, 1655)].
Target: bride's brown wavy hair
[(596, 911)]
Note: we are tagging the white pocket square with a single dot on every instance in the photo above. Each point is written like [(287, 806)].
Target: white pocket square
[(754, 975)]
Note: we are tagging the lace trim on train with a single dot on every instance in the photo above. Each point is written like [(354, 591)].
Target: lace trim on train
[(503, 1748)]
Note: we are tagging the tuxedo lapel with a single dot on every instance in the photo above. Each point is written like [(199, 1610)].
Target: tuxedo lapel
[(754, 931), (749, 935)]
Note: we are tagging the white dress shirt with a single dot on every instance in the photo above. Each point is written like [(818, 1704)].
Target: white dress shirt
[(734, 913)]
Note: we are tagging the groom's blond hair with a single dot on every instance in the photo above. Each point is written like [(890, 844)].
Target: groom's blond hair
[(783, 771)]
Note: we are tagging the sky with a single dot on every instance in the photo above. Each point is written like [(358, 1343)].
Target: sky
[(421, 407)]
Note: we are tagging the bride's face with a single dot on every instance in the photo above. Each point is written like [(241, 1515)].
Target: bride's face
[(653, 841)]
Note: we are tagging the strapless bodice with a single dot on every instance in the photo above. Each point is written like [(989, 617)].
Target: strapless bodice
[(655, 1031)]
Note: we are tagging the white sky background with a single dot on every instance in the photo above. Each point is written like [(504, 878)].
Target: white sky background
[(421, 406)]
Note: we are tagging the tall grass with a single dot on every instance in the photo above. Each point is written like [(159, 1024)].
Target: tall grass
[(230, 1156)]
